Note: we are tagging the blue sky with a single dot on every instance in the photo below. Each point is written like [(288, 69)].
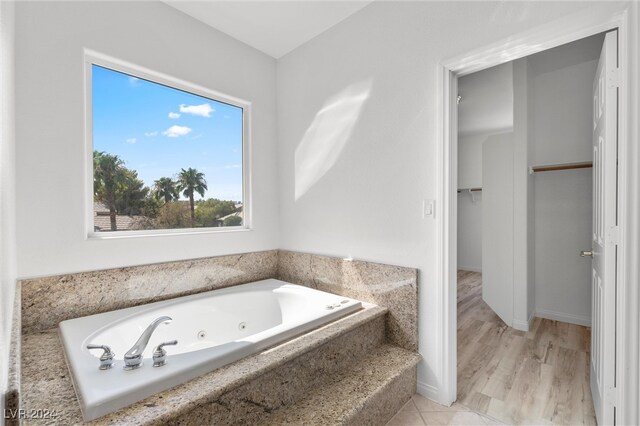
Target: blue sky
[(158, 130)]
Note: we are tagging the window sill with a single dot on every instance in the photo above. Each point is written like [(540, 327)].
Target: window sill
[(163, 233)]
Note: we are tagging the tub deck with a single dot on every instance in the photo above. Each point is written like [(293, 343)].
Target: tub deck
[(46, 381)]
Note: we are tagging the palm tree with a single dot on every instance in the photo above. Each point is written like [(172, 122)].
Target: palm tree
[(109, 174), (166, 188), (190, 181)]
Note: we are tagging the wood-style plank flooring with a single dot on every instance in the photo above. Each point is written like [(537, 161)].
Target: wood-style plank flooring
[(535, 377)]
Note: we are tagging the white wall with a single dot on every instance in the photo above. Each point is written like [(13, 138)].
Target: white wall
[(486, 104), (50, 37), (563, 224), (378, 67), (523, 202), (531, 204), (470, 210), (485, 109), (561, 83), (7, 197), (470, 159), (470, 176), (470, 231)]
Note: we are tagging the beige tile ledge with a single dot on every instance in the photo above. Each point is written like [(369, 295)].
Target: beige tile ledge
[(46, 383)]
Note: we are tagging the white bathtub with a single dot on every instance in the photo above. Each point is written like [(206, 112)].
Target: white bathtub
[(213, 329)]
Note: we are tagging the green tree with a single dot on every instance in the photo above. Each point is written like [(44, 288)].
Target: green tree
[(152, 206), (173, 215), (210, 210), (118, 187), (165, 188), (131, 194), (109, 174), (189, 182), (233, 221)]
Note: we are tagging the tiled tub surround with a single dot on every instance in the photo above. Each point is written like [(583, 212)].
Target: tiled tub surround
[(47, 301), (393, 287)]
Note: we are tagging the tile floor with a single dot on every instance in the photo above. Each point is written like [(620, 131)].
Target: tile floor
[(420, 411)]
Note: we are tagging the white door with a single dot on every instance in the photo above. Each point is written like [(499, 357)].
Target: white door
[(603, 331)]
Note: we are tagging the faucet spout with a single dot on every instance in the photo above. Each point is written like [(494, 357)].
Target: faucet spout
[(133, 357)]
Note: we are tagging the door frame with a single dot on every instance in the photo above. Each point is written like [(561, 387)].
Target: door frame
[(596, 19)]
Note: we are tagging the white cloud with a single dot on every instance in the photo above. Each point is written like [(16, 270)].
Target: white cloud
[(203, 110), (132, 140), (176, 131), (134, 81), (174, 115), (151, 134)]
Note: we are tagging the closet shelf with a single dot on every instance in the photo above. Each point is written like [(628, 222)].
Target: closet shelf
[(562, 166), (469, 189)]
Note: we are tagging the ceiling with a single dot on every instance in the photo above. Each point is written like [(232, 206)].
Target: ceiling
[(273, 27)]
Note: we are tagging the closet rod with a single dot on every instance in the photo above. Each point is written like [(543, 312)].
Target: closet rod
[(469, 189), (555, 167)]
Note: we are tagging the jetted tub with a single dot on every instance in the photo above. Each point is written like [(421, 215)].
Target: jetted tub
[(213, 329)]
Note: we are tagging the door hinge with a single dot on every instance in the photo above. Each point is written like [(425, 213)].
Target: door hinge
[(611, 396), (614, 235), (614, 77)]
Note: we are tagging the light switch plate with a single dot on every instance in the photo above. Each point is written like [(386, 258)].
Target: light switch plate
[(428, 208)]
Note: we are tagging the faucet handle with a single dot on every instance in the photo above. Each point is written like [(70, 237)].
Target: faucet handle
[(106, 359), (160, 355)]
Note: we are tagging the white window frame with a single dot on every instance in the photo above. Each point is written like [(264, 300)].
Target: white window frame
[(95, 58)]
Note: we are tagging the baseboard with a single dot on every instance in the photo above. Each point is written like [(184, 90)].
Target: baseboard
[(521, 325), (431, 392), (524, 325), (470, 268), (562, 317)]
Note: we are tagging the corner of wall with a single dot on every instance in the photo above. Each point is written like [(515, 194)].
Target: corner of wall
[(7, 191), (522, 209)]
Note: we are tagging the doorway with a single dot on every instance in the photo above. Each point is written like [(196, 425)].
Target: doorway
[(512, 49), (524, 293)]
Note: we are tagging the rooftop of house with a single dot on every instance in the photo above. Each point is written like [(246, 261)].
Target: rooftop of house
[(102, 220)]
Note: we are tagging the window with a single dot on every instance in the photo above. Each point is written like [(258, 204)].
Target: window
[(165, 155)]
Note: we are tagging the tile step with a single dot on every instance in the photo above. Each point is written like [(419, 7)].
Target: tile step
[(369, 393)]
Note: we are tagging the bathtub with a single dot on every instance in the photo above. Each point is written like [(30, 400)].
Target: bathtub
[(213, 329)]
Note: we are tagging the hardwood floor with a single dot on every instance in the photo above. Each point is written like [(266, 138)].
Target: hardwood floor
[(535, 377)]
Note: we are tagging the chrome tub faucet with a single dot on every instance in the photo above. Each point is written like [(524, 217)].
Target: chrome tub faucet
[(106, 359), (133, 357)]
